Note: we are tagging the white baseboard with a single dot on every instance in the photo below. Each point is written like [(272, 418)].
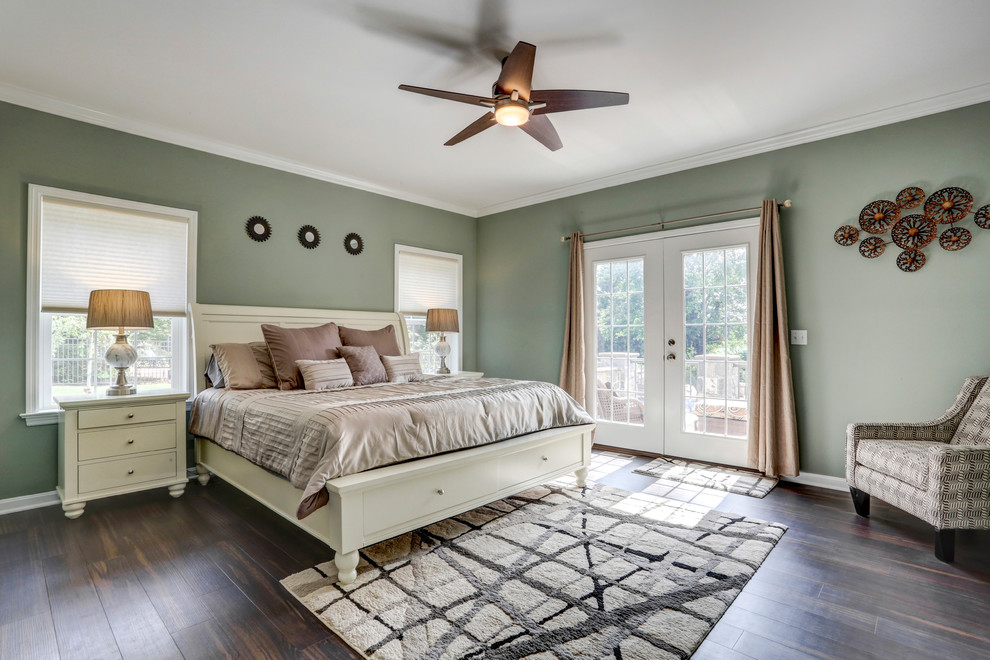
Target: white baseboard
[(25, 502), (820, 480)]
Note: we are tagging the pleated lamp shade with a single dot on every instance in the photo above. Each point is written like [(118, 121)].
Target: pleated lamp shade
[(441, 320), (110, 309)]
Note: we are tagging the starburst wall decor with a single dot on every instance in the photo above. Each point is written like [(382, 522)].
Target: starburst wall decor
[(914, 232)]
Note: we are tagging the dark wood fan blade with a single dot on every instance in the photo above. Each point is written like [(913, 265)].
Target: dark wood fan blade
[(544, 132), (517, 71), (450, 96), (563, 100), (485, 121)]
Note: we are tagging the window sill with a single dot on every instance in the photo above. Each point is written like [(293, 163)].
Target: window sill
[(40, 418)]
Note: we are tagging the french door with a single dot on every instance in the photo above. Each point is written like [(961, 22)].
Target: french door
[(667, 340)]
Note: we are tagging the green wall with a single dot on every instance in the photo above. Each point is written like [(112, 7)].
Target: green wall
[(40, 148), (882, 344)]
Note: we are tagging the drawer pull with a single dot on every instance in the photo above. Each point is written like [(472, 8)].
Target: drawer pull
[(130, 415), (440, 491), (130, 441), (544, 458), (131, 471)]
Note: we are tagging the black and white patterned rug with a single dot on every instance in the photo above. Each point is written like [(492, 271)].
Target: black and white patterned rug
[(706, 475), (554, 572)]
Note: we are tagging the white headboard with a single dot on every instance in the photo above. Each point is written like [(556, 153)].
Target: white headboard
[(214, 324)]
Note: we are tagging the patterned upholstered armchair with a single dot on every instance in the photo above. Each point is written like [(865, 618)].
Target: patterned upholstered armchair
[(937, 470)]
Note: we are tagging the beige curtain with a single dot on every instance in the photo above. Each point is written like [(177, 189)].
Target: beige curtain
[(773, 442), (572, 364)]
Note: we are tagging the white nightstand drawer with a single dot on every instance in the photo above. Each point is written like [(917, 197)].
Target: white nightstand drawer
[(125, 415), (394, 504), (126, 471), (531, 463), (126, 440)]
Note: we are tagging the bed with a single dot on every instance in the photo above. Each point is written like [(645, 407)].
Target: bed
[(380, 503)]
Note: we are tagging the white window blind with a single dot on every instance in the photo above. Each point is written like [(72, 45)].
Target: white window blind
[(88, 246), (426, 281)]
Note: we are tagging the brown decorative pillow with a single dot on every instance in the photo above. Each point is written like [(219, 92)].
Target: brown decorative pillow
[(382, 339), (244, 366), (287, 345), (365, 365), (403, 368), (325, 374)]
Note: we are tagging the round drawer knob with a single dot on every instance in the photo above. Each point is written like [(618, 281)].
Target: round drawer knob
[(131, 471), (544, 458), (440, 491), (131, 441), (130, 415)]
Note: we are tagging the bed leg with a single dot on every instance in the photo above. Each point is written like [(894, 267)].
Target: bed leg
[(204, 475), (582, 476), (346, 563)]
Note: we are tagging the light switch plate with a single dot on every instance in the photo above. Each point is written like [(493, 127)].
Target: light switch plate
[(799, 337)]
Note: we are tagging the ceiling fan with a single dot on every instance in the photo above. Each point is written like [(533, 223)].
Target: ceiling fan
[(514, 103)]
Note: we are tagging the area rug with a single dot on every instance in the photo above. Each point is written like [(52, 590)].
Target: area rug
[(555, 572), (707, 475)]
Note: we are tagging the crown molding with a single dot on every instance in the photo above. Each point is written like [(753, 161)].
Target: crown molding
[(886, 116), (892, 115), (51, 105)]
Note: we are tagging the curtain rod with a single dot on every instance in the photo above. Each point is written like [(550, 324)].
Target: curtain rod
[(786, 204)]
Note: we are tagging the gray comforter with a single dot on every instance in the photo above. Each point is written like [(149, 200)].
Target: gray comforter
[(310, 437)]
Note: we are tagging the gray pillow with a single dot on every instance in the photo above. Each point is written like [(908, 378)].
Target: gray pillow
[(365, 365)]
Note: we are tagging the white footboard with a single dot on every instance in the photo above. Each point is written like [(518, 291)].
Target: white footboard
[(378, 504)]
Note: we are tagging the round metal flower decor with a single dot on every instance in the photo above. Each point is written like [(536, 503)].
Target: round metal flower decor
[(912, 233), (353, 243), (948, 205), (955, 238), (982, 217), (910, 197), (911, 260), (872, 247), (846, 235), (309, 237), (877, 217)]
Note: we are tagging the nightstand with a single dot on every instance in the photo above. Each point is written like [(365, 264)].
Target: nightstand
[(111, 445), (464, 374)]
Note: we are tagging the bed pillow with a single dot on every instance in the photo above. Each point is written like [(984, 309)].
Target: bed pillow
[(287, 345), (402, 368), (244, 366), (325, 374), (213, 375), (365, 365), (383, 339)]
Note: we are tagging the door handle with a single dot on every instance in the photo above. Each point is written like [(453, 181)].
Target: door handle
[(671, 356)]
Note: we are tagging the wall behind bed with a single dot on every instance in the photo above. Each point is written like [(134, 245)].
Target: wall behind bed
[(40, 148)]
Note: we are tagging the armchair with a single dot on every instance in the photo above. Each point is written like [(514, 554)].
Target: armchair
[(938, 471)]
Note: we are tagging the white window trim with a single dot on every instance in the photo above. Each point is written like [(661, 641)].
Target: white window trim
[(460, 286), (35, 365)]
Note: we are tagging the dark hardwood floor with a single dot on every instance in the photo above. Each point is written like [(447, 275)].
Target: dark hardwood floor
[(151, 577)]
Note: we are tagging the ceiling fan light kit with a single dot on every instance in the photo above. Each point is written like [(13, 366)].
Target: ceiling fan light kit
[(515, 103)]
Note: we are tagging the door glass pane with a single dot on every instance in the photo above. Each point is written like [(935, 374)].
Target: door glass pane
[(620, 318), (715, 323)]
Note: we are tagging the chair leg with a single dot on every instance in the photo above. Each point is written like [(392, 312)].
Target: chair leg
[(861, 501), (945, 545)]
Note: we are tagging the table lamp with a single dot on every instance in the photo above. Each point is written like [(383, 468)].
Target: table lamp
[(120, 310), (442, 321)]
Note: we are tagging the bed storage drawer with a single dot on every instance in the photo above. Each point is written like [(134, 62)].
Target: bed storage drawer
[(126, 471), (118, 415), (125, 440), (528, 464), (398, 503)]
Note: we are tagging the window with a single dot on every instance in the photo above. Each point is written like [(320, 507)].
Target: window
[(426, 279), (80, 242)]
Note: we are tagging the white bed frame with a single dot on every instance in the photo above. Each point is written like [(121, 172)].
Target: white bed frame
[(378, 504)]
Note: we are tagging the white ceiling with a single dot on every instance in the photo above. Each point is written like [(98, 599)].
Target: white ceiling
[(309, 86)]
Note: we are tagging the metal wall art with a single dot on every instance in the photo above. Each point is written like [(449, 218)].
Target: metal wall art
[(309, 237), (912, 233), (258, 228)]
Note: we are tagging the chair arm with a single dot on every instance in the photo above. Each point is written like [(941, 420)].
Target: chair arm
[(969, 464), (959, 487)]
